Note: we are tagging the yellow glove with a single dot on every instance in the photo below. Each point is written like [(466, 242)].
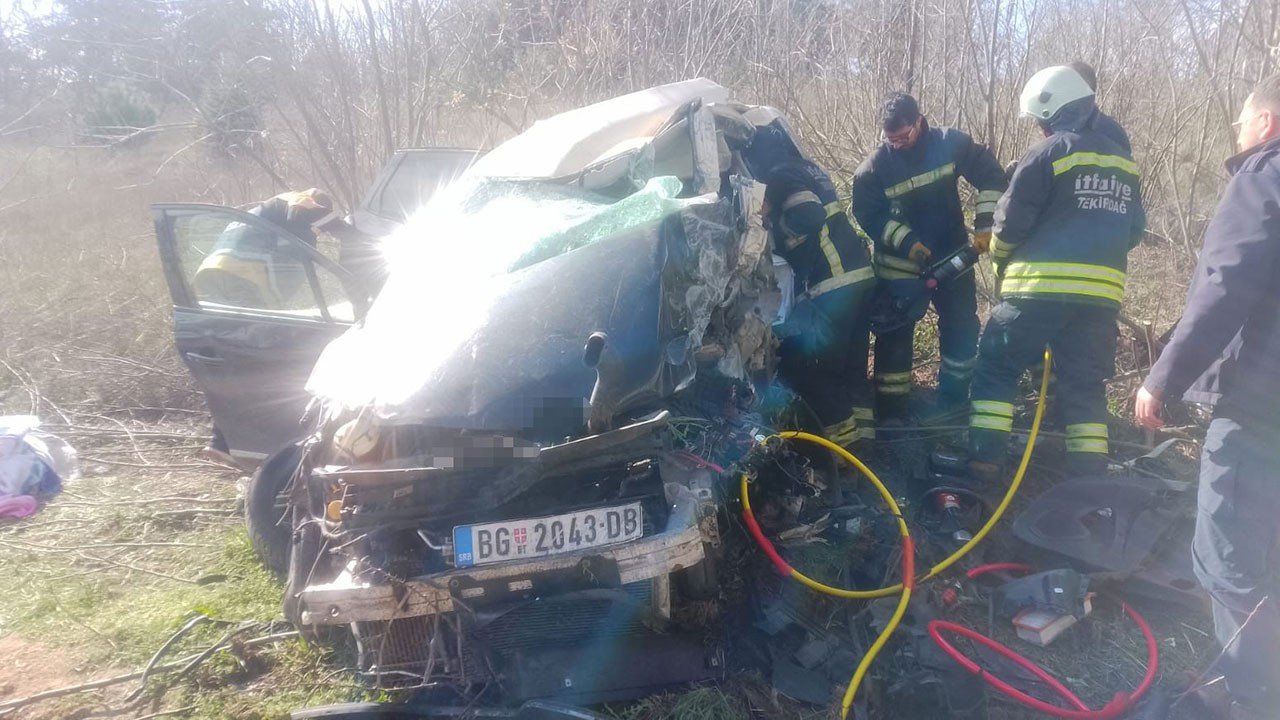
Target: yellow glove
[(919, 254), (982, 241)]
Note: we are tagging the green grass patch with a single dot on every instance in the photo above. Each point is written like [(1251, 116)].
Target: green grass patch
[(300, 675), (704, 703), (120, 617)]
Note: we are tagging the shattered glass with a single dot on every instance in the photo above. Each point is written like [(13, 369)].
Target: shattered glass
[(497, 284), (586, 219), (491, 298)]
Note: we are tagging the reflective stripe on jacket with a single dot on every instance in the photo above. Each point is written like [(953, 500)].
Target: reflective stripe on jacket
[(1072, 213), (812, 230), (901, 197)]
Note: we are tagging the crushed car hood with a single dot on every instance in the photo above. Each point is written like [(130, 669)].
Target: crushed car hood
[(496, 285), (504, 352), (568, 142)]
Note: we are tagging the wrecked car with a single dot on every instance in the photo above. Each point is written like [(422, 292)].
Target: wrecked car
[(493, 493), (494, 482), (516, 473)]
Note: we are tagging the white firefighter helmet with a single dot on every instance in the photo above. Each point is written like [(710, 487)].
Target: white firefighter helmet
[(1051, 88)]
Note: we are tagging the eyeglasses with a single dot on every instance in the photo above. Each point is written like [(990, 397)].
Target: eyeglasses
[(1251, 118), (903, 135)]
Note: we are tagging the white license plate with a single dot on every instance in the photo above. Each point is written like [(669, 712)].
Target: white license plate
[(539, 537)]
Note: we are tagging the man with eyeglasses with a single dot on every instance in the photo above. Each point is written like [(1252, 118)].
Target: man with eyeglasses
[(1226, 352), (907, 200)]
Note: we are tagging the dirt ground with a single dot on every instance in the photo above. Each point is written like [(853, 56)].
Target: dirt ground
[(150, 537), (31, 667)]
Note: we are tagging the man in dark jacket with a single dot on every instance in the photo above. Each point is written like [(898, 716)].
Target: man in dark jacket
[(905, 197), (1062, 234), (824, 345), (1103, 122), (1226, 352)]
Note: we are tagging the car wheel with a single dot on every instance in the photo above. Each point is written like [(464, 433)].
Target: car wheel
[(266, 509)]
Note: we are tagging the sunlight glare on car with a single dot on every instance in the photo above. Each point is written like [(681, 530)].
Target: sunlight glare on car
[(447, 262)]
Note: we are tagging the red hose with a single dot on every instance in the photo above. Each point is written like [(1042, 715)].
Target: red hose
[(754, 528), (997, 567), (697, 460), (1114, 709), (908, 563)]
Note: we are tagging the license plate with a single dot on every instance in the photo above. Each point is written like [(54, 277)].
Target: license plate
[(540, 537)]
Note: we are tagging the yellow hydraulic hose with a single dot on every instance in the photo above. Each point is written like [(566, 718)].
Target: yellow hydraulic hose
[(1017, 477), (908, 560), (1000, 509), (904, 588)]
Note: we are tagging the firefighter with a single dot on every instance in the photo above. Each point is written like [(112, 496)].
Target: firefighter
[(825, 342), (1063, 230), (906, 199), (247, 266)]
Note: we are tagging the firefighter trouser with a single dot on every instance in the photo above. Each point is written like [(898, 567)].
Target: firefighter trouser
[(824, 354), (1236, 553), (1083, 339), (957, 307)]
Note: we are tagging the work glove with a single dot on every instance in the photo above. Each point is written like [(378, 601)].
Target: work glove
[(982, 241), (919, 254)]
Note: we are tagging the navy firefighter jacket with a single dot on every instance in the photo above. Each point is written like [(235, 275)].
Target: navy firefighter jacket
[(905, 196)]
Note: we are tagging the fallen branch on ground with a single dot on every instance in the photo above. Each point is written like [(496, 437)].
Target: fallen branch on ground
[(19, 544), (163, 466), (11, 705), (166, 713)]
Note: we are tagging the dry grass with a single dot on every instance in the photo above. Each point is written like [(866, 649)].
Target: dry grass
[(87, 322), (108, 570), (152, 534)]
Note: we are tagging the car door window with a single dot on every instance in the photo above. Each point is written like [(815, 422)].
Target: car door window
[(234, 261), (417, 176)]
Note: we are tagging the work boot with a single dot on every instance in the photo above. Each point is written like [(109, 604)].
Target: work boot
[(1086, 464), (893, 410), (844, 433)]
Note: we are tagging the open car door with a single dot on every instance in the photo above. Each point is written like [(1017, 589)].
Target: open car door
[(253, 307)]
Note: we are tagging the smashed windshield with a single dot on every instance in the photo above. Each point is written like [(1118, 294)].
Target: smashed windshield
[(454, 259), (487, 226)]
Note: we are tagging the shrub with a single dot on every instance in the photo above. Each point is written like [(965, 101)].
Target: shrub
[(117, 117)]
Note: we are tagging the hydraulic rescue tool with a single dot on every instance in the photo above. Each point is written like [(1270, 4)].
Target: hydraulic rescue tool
[(900, 302)]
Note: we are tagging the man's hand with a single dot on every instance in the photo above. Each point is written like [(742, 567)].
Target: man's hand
[(1146, 409), (982, 241), (919, 254)]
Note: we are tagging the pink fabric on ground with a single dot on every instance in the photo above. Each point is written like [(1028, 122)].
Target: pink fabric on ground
[(17, 506)]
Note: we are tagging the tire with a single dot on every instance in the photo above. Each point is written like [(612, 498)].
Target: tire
[(266, 512)]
